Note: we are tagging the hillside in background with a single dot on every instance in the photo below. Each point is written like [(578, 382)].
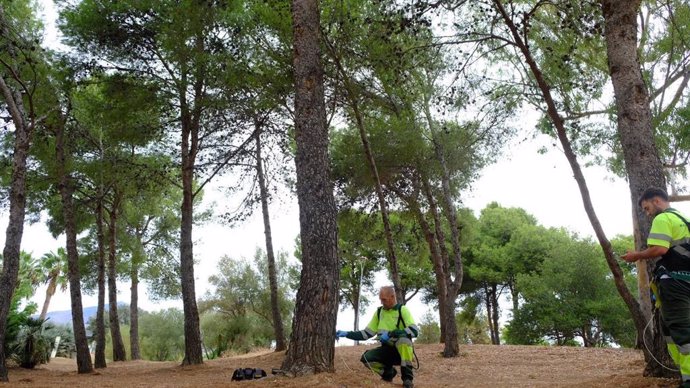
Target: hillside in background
[(65, 317)]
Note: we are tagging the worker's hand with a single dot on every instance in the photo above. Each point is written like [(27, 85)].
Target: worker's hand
[(398, 333), (630, 256), (384, 337), (341, 333)]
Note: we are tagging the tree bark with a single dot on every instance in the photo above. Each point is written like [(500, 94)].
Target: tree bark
[(135, 352), (50, 291), (371, 162), (495, 313), (447, 298), (642, 164), (311, 347), (193, 353), (270, 256), (449, 209), (115, 333), (17, 210), (352, 97), (489, 312), (99, 357), (66, 190), (190, 120)]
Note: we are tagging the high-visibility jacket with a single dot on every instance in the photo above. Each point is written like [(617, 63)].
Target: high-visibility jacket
[(396, 321), (669, 230)]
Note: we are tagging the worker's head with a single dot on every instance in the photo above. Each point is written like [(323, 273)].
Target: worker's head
[(387, 297), (653, 201)]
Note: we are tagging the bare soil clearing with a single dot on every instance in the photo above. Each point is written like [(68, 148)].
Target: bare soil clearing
[(477, 366)]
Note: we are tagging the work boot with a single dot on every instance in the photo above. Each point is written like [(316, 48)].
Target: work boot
[(408, 383), (389, 375)]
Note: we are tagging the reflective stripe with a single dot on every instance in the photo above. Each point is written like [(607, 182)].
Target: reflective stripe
[(684, 349), (406, 363), (415, 330), (367, 333), (404, 341), (682, 251), (681, 275), (376, 367), (659, 236), (681, 241)]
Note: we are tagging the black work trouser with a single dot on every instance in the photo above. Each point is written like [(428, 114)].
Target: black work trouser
[(382, 361)]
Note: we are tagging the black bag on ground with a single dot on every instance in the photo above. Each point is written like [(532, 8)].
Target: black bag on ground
[(247, 374)]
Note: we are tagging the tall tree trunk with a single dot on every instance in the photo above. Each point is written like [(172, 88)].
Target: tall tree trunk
[(50, 291), (99, 357), (489, 312), (15, 226), (353, 98), (135, 353), (311, 348), (190, 120), (447, 298), (192, 333), (642, 163), (449, 209), (371, 162), (514, 295), (552, 111), (270, 256), (495, 314), (66, 190), (115, 334)]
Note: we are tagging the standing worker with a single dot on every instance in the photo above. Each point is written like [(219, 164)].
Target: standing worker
[(395, 328), (669, 238)]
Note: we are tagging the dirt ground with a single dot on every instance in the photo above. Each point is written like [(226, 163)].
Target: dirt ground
[(477, 366)]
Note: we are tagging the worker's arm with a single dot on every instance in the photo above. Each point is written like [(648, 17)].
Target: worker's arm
[(651, 252)]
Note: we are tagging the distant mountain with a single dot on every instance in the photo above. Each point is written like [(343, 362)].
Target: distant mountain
[(65, 317)]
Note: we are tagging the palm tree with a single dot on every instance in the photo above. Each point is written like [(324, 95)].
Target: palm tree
[(55, 265)]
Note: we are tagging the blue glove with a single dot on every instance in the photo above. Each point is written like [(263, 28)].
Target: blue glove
[(384, 337), (341, 333)]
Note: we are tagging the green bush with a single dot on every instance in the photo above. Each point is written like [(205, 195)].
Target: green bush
[(162, 335), (429, 331), (31, 347), (66, 348)]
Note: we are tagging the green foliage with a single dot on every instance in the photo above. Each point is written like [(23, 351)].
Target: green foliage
[(571, 297), (162, 335), (473, 328), (243, 301), (66, 347), (15, 320), (240, 334), (508, 242), (31, 347), (429, 331), (361, 251), (214, 334)]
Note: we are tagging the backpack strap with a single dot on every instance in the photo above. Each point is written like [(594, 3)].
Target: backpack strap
[(400, 318), (673, 211)]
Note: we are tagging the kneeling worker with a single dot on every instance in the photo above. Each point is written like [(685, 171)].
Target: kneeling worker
[(395, 328)]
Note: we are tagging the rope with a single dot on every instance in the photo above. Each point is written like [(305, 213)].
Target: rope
[(644, 341)]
